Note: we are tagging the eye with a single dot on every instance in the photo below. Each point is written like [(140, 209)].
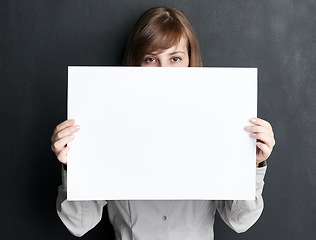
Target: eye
[(175, 59), (150, 60)]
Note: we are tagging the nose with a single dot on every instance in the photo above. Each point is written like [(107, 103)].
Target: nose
[(163, 64)]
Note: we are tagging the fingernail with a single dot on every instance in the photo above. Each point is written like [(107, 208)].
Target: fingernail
[(77, 126), (72, 136), (248, 128), (71, 121), (253, 120)]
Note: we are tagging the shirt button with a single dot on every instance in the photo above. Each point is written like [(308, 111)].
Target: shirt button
[(164, 218)]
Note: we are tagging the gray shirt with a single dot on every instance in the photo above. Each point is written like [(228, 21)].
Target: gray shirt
[(163, 219)]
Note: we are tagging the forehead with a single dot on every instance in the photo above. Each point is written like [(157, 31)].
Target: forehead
[(180, 46)]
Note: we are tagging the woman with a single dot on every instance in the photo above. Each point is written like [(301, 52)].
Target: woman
[(162, 37)]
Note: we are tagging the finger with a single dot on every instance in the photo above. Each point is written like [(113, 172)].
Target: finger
[(59, 145), (265, 151), (66, 131), (61, 126), (261, 122), (62, 156), (266, 139), (258, 129)]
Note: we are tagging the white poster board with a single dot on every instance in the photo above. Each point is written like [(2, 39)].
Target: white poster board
[(161, 133)]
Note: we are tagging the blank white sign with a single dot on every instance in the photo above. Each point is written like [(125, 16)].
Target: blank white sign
[(161, 133)]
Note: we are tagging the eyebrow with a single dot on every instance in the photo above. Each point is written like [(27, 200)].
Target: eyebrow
[(176, 52), (172, 53)]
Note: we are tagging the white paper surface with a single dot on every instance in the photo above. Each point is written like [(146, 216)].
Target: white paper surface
[(161, 133)]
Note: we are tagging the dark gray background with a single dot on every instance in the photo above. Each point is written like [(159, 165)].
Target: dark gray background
[(39, 39)]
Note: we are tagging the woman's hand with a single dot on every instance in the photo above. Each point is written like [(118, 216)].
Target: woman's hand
[(262, 131), (63, 134)]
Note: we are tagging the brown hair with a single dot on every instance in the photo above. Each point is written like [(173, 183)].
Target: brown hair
[(159, 29)]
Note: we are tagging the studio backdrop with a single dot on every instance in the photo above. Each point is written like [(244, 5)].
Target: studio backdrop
[(40, 39)]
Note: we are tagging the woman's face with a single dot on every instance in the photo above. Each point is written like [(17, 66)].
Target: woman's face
[(176, 56)]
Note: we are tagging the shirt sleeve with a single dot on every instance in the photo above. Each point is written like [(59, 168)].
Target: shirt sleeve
[(240, 215), (78, 216)]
